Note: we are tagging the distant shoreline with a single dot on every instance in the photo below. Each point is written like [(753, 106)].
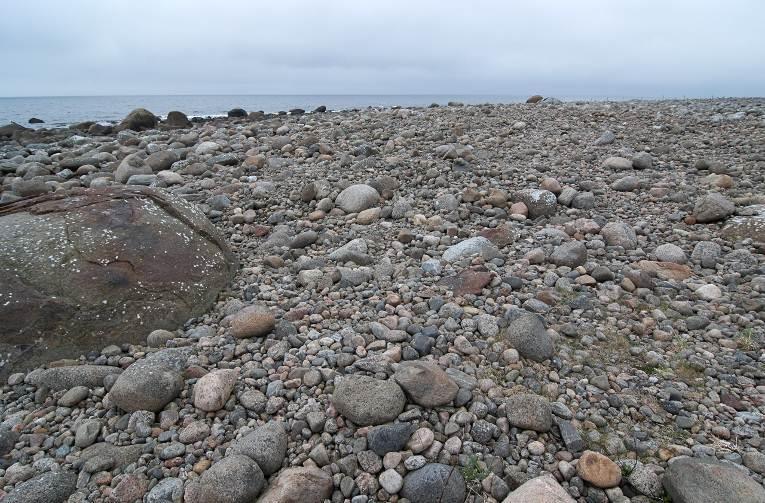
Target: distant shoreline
[(68, 111), (57, 112)]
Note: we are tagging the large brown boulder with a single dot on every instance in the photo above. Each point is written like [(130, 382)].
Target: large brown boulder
[(90, 267)]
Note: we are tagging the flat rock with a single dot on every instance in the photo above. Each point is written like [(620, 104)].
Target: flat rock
[(598, 470), (469, 281), (702, 480), (299, 485), (368, 401), (473, 246), (544, 489), (529, 412), (58, 378), (617, 163), (426, 383)]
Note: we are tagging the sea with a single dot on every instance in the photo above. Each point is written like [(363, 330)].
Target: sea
[(60, 111)]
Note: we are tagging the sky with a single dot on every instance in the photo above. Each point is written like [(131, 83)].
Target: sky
[(627, 48)]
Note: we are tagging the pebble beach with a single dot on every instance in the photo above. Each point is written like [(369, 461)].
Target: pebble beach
[(533, 302)]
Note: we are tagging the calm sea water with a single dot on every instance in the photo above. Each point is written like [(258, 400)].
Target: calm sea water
[(63, 110)]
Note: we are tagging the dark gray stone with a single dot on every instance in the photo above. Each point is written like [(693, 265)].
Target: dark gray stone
[(528, 335), (49, 487), (267, 446), (570, 436), (233, 479), (389, 437), (435, 483)]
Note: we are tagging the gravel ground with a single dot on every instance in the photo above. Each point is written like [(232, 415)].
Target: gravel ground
[(437, 304)]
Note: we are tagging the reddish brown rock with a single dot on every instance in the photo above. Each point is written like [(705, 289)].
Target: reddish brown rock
[(469, 281), (501, 235), (91, 267), (665, 270), (731, 401), (252, 321), (598, 470)]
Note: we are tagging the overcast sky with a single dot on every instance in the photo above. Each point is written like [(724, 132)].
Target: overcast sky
[(629, 48)]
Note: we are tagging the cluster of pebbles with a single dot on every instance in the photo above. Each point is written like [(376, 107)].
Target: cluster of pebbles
[(521, 303)]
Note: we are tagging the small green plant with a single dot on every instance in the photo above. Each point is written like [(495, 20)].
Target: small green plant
[(472, 472), (746, 339), (495, 374), (688, 372), (628, 468), (650, 368)]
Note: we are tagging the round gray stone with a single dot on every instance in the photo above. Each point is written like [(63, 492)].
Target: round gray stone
[(367, 401)]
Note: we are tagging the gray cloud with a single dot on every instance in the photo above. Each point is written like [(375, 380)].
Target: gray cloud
[(555, 47)]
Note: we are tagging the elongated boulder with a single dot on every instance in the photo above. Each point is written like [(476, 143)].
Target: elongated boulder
[(48, 487), (213, 390), (150, 383), (699, 480), (85, 268)]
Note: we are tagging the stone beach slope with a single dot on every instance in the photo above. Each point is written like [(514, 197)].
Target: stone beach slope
[(542, 302)]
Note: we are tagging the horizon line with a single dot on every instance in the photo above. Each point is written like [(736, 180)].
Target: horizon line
[(601, 96)]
